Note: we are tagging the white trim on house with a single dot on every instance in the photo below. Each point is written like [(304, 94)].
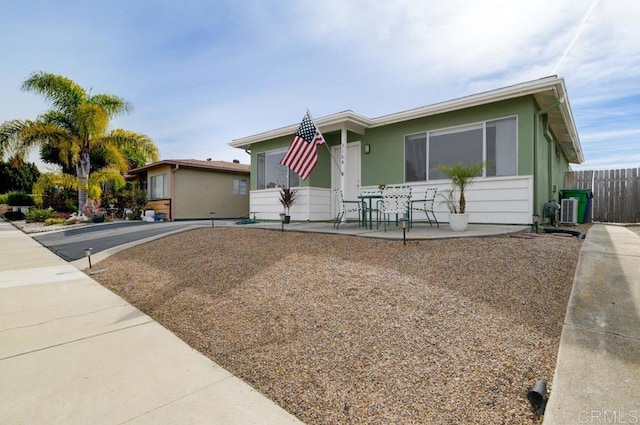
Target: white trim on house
[(547, 91), (312, 203), (489, 200)]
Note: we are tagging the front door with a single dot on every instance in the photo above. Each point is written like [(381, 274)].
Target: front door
[(352, 173)]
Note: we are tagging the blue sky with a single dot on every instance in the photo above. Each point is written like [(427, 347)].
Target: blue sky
[(201, 73)]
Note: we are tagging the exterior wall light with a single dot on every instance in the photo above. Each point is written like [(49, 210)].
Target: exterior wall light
[(367, 149)]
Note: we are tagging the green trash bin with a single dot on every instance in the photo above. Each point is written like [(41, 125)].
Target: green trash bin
[(584, 201)]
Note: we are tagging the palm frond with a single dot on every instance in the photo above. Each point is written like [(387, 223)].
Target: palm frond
[(19, 137), (112, 105), (136, 143), (60, 119), (48, 180), (114, 157), (91, 121), (62, 92), (9, 136), (101, 177)]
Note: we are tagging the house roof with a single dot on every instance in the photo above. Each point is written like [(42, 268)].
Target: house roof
[(549, 92), (232, 167)]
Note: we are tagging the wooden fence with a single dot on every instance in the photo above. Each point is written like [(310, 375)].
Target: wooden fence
[(616, 193)]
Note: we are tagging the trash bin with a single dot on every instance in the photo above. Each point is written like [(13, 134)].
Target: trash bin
[(584, 197)]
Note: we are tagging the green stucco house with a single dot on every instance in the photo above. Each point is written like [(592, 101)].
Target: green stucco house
[(526, 134)]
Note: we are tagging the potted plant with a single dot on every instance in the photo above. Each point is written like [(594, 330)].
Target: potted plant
[(461, 178), (287, 197)]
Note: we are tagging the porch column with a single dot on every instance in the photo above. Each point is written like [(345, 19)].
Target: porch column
[(343, 161)]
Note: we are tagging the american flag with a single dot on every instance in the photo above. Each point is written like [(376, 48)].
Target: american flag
[(302, 156)]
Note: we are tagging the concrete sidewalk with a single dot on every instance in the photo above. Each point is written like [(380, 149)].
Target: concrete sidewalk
[(72, 352), (597, 376)]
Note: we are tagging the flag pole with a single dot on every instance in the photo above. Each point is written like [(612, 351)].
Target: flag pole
[(326, 144)]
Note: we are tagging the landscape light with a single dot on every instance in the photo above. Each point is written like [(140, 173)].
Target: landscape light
[(87, 253), (403, 221)]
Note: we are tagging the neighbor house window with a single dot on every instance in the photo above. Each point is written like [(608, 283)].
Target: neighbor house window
[(494, 142), (239, 186), (271, 174), (158, 186)]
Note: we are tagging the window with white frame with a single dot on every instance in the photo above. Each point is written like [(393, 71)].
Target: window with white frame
[(239, 186), (272, 174), (494, 142), (158, 186)]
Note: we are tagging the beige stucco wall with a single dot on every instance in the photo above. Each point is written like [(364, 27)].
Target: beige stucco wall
[(199, 192)]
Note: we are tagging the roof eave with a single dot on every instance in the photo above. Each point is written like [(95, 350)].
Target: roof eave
[(358, 123), (345, 119)]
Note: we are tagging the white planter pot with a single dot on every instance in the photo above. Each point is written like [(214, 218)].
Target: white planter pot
[(458, 222)]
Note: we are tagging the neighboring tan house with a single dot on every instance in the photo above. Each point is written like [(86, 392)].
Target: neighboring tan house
[(525, 133), (187, 189)]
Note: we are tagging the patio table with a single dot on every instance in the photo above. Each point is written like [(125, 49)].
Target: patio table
[(367, 200)]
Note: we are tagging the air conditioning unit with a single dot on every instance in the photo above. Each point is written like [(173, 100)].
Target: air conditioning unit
[(569, 211)]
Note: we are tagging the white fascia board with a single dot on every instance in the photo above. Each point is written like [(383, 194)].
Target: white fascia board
[(523, 89), (345, 119), (358, 123)]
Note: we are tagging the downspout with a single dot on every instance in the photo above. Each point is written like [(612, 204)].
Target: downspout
[(173, 194), (537, 114), (549, 137), (343, 170)]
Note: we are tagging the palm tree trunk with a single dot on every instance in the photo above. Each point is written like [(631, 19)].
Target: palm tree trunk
[(82, 172)]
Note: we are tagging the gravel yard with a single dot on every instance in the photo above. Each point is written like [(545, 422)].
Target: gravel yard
[(340, 329)]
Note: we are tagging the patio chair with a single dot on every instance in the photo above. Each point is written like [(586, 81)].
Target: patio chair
[(344, 207), (369, 199), (395, 200), (426, 205)]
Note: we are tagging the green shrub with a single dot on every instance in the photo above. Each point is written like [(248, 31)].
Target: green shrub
[(61, 200), (19, 199), (4, 199), (14, 215), (50, 221), (38, 214)]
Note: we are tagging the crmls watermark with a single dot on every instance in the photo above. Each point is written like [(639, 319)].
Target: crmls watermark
[(609, 417)]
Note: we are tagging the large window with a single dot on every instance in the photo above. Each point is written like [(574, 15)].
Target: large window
[(494, 142), (159, 186), (271, 174)]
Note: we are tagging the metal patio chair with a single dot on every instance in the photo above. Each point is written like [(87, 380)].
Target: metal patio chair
[(426, 205), (395, 200), (344, 207), (369, 199)]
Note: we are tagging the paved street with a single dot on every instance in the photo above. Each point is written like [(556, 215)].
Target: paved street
[(70, 244)]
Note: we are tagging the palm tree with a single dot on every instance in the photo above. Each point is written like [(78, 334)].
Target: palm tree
[(76, 125)]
